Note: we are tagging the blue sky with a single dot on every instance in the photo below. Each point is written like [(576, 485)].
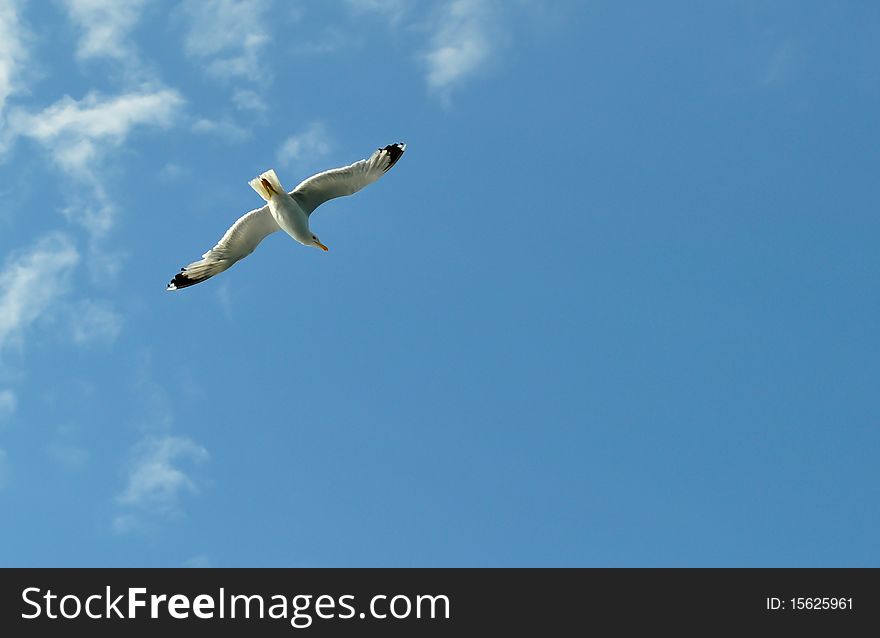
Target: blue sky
[(616, 306)]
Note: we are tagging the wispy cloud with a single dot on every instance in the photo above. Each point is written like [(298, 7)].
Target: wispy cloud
[(461, 37), (228, 37), (94, 321), (157, 479), (12, 54), (160, 472), (224, 128), (461, 45), (301, 149), (79, 134), (8, 403), (247, 100), (106, 27), (31, 282), (76, 126)]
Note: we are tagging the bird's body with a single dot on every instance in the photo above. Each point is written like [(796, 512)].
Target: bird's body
[(285, 211), (290, 217)]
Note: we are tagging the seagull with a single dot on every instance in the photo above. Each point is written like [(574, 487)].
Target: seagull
[(285, 211)]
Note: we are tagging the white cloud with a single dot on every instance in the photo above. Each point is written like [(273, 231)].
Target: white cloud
[(229, 36), (8, 403), (110, 120), (31, 281), (312, 143), (460, 46), (247, 100), (462, 36), (160, 473), (79, 134), (12, 50), (95, 212), (106, 27), (223, 128), (156, 481), (92, 321)]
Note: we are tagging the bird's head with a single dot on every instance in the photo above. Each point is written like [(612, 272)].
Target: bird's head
[(317, 243)]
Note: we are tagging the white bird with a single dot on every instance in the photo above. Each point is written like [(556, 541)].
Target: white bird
[(286, 211)]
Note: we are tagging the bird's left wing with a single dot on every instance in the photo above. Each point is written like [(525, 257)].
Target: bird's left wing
[(238, 242), (346, 180)]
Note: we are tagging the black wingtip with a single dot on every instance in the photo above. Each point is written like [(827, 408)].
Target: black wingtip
[(394, 153), (182, 280)]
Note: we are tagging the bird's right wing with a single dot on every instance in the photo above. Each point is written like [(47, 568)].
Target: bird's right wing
[(346, 180), (238, 242)]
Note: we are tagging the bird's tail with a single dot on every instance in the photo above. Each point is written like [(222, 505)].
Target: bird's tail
[(267, 184)]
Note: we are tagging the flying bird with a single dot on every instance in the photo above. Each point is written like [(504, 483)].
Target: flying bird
[(285, 211)]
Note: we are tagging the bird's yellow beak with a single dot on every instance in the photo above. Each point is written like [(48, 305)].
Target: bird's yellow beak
[(322, 246)]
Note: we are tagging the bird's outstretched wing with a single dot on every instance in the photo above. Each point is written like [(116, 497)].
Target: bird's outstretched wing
[(346, 180), (238, 242)]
